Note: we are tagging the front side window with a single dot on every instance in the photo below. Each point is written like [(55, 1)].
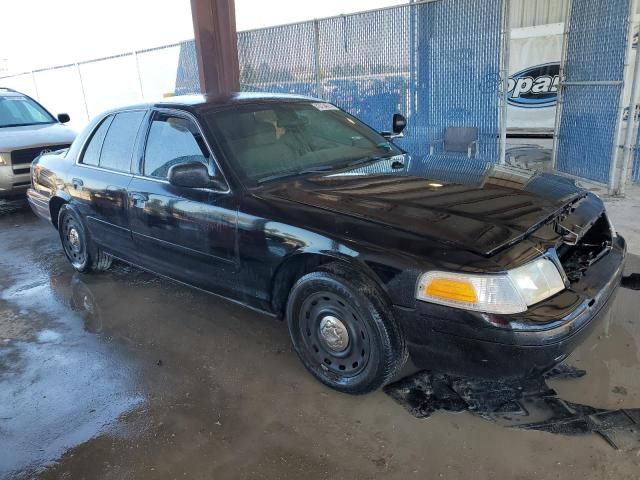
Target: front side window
[(17, 111), (174, 140), (119, 141), (269, 141)]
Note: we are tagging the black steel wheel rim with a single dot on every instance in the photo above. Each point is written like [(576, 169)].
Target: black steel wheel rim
[(344, 359), (73, 242)]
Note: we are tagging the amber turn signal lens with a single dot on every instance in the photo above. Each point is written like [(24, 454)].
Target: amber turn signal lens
[(457, 290)]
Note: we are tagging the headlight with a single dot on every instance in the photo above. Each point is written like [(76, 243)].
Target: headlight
[(5, 159), (510, 292)]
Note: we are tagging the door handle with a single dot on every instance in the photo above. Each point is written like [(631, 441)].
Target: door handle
[(139, 199), (77, 183)]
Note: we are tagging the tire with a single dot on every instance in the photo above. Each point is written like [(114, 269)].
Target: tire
[(373, 349), (81, 252)]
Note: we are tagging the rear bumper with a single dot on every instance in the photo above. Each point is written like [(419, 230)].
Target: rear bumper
[(466, 343), (39, 203)]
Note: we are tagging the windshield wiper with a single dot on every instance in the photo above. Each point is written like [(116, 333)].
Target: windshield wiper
[(322, 168), (369, 159), (319, 168), (25, 124), (385, 145), (277, 176), (304, 171)]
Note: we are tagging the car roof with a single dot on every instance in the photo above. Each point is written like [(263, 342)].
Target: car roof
[(205, 103), (9, 92), (212, 102), (233, 98)]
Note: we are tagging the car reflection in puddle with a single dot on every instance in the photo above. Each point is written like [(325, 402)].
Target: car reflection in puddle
[(60, 385)]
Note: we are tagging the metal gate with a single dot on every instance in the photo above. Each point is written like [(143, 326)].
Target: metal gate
[(458, 64), (590, 108)]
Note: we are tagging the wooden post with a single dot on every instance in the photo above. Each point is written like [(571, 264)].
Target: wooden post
[(214, 26)]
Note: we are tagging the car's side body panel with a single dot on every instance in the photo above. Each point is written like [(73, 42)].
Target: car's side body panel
[(100, 197), (193, 228), (190, 228)]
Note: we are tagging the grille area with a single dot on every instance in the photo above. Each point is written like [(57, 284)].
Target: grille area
[(21, 159), (596, 243)]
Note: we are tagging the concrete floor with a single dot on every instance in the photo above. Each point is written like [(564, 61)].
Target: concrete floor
[(124, 375)]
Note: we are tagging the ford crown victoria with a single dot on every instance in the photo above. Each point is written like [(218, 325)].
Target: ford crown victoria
[(293, 207)]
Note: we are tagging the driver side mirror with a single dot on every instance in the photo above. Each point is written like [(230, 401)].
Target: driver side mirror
[(398, 124), (64, 118), (193, 175)]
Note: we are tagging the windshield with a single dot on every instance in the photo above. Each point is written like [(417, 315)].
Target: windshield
[(16, 111), (265, 142)]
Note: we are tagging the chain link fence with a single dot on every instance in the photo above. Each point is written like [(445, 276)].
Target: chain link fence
[(438, 62), (591, 92), (87, 88)]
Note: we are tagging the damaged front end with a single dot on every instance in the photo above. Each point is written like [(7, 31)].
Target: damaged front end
[(583, 248), (591, 258)]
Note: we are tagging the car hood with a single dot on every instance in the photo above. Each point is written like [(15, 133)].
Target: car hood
[(472, 205), (29, 136)]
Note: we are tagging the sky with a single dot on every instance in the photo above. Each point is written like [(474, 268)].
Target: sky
[(66, 31)]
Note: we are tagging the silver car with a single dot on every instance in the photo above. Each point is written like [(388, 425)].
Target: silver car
[(26, 130)]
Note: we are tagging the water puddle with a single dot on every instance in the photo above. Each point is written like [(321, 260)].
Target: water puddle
[(60, 383)]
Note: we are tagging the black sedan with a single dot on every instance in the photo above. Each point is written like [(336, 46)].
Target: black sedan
[(293, 207)]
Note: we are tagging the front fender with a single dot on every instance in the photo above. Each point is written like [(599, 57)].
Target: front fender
[(306, 260)]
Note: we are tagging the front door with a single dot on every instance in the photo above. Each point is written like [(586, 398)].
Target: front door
[(185, 233)]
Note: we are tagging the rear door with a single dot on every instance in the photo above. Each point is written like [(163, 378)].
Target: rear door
[(100, 178), (186, 233)]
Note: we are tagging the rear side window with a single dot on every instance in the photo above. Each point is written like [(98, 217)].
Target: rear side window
[(119, 141), (92, 152), (174, 140)]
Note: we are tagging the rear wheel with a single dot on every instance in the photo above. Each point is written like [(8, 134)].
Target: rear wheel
[(344, 332), (83, 255)]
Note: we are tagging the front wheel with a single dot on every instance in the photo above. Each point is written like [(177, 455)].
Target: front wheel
[(344, 332), (78, 248)]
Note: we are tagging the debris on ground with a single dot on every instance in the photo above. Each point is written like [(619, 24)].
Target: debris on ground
[(632, 282), (618, 390), (528, 404)]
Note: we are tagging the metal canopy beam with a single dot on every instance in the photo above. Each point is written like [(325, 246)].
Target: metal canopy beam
[(214, 27)]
